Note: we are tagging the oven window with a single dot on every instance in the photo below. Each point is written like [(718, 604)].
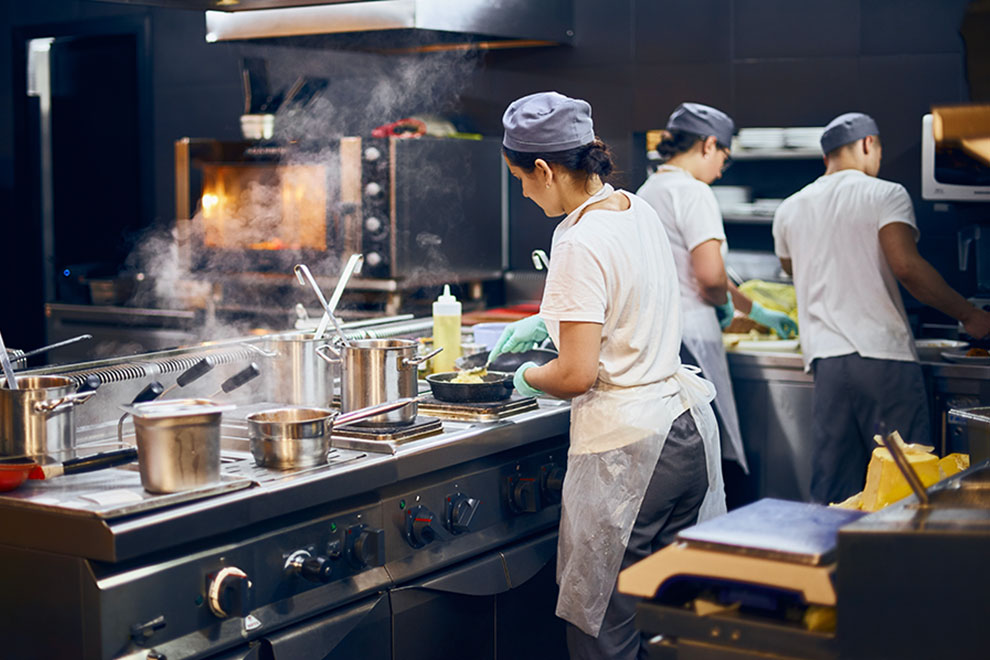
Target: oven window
[(264, 207)]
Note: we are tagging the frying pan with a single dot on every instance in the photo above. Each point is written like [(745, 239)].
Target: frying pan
[(15, 471), (507, 362), (495, 386)]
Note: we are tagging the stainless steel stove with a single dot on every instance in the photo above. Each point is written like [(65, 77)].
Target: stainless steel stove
[(336, 557)]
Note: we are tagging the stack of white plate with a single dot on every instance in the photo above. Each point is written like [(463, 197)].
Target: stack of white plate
[(766, 206), (760, 138), (803, 137)]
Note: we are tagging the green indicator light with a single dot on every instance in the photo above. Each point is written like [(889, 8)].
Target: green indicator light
[(333, 527), (199, 600), (402, 504)]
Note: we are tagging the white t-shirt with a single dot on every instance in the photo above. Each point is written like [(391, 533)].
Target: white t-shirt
[(848, 298), (616, 268), (689, 212)]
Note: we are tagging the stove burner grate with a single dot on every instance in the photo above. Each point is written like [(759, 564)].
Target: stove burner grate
[(384, 439), (486, 411)]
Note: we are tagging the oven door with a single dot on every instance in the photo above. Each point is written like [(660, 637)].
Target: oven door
[(360, 630), (498, 606)]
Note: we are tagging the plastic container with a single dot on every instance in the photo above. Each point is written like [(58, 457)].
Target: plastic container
[(446, 330), (488, 333)]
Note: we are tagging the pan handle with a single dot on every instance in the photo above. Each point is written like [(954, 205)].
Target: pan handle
[(420, 359), (364, 413), (322, 352), (67, 401)]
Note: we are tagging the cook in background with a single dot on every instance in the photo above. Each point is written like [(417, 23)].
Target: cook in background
[(643, 458), (848, 238), (695, 152)]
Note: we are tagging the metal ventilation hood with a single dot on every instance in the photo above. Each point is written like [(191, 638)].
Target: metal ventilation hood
[(418, 25)]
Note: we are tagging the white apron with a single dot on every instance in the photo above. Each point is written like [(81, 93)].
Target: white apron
[(703, 337), (617, 435)]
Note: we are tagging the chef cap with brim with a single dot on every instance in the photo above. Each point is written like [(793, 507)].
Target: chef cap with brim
[(847, 128), (702, 120), (546, 122)]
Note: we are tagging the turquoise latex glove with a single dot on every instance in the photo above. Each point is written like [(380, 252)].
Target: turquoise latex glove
[(725, 311), (519, 380), (520, 336), (779, 322)]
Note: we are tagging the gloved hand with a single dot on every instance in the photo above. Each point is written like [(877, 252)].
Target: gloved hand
[(779, 322), (520, 336), (519, 380), (725, 311)]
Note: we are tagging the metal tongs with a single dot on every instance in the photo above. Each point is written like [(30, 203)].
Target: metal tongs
[(354, 264), (904, 465), (305, 277)]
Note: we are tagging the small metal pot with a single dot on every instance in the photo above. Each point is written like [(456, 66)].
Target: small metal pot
[(287, 438), (37, 419), (178, 443), (374, 371)]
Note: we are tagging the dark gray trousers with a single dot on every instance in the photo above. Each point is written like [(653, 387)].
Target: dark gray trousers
[(852, 396), (671, 503)]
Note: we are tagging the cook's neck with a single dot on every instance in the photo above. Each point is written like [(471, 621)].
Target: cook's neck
[(578, 195)]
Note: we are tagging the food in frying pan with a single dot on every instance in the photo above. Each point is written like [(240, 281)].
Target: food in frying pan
[(470, 376)]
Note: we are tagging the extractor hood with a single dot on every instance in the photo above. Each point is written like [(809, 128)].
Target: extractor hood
[(403, 24)]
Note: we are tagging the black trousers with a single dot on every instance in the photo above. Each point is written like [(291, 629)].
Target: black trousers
[(853, 396), (671, 503)]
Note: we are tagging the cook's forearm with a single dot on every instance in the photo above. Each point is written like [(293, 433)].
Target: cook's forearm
[(924, 283), (558, 380)]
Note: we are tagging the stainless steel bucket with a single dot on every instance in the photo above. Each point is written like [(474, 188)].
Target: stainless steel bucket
[(36, 419), (297, 376), (178, 443), (374, 371)]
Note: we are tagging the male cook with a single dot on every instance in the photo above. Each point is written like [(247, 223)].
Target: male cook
[(847, 239)]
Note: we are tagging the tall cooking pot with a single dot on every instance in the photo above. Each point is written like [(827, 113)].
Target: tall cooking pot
[(374, 371), (297, 375), (36, 419)]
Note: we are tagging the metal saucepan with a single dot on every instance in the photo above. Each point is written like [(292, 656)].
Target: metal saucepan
[(495, 386), (14, 472), (36, 419), (374, 371), (286, 438), (297, 375)]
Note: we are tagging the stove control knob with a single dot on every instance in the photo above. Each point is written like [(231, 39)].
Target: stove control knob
[(365, 546), (230, 593), (313, 568), (419, 526), (373, 224), (372, 258), (524, 494), (460, 512), (373, 189), (372, 154), (553, 482)]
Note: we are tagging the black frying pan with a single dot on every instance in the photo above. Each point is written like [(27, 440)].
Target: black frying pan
[(507, 362), (496, 386)]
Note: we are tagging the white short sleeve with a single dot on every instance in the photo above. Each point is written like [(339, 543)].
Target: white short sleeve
[(699, 219), (897, 207), (575, 289)]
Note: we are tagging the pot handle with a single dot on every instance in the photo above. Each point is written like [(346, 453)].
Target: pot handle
[(420, 359), (321, 351), (66, 401), (341, 419)]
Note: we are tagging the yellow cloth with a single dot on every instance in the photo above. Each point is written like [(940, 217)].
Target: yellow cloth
[(772, 295)]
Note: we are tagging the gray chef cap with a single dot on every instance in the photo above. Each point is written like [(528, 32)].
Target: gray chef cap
[(847, 128), (702, 120), (546, 122)]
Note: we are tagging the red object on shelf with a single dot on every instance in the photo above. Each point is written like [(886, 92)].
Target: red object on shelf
[(499, 314)]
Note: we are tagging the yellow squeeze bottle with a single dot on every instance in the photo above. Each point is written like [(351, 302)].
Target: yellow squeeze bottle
[(446, 330)]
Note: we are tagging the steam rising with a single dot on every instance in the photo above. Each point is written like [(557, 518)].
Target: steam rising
[(364, 91)]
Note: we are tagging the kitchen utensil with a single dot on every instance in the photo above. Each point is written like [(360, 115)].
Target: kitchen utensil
[(354, 263), (377, 371), (151, 391), (36, 419), (495, 386), (506, 362), (8, 369), (242, 377), (178, 443), (14, 472), (902, 463), (58, 344), (961, 357), (195, 372), (287, 438), (306, 277), (540, 260), (930, 350)]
